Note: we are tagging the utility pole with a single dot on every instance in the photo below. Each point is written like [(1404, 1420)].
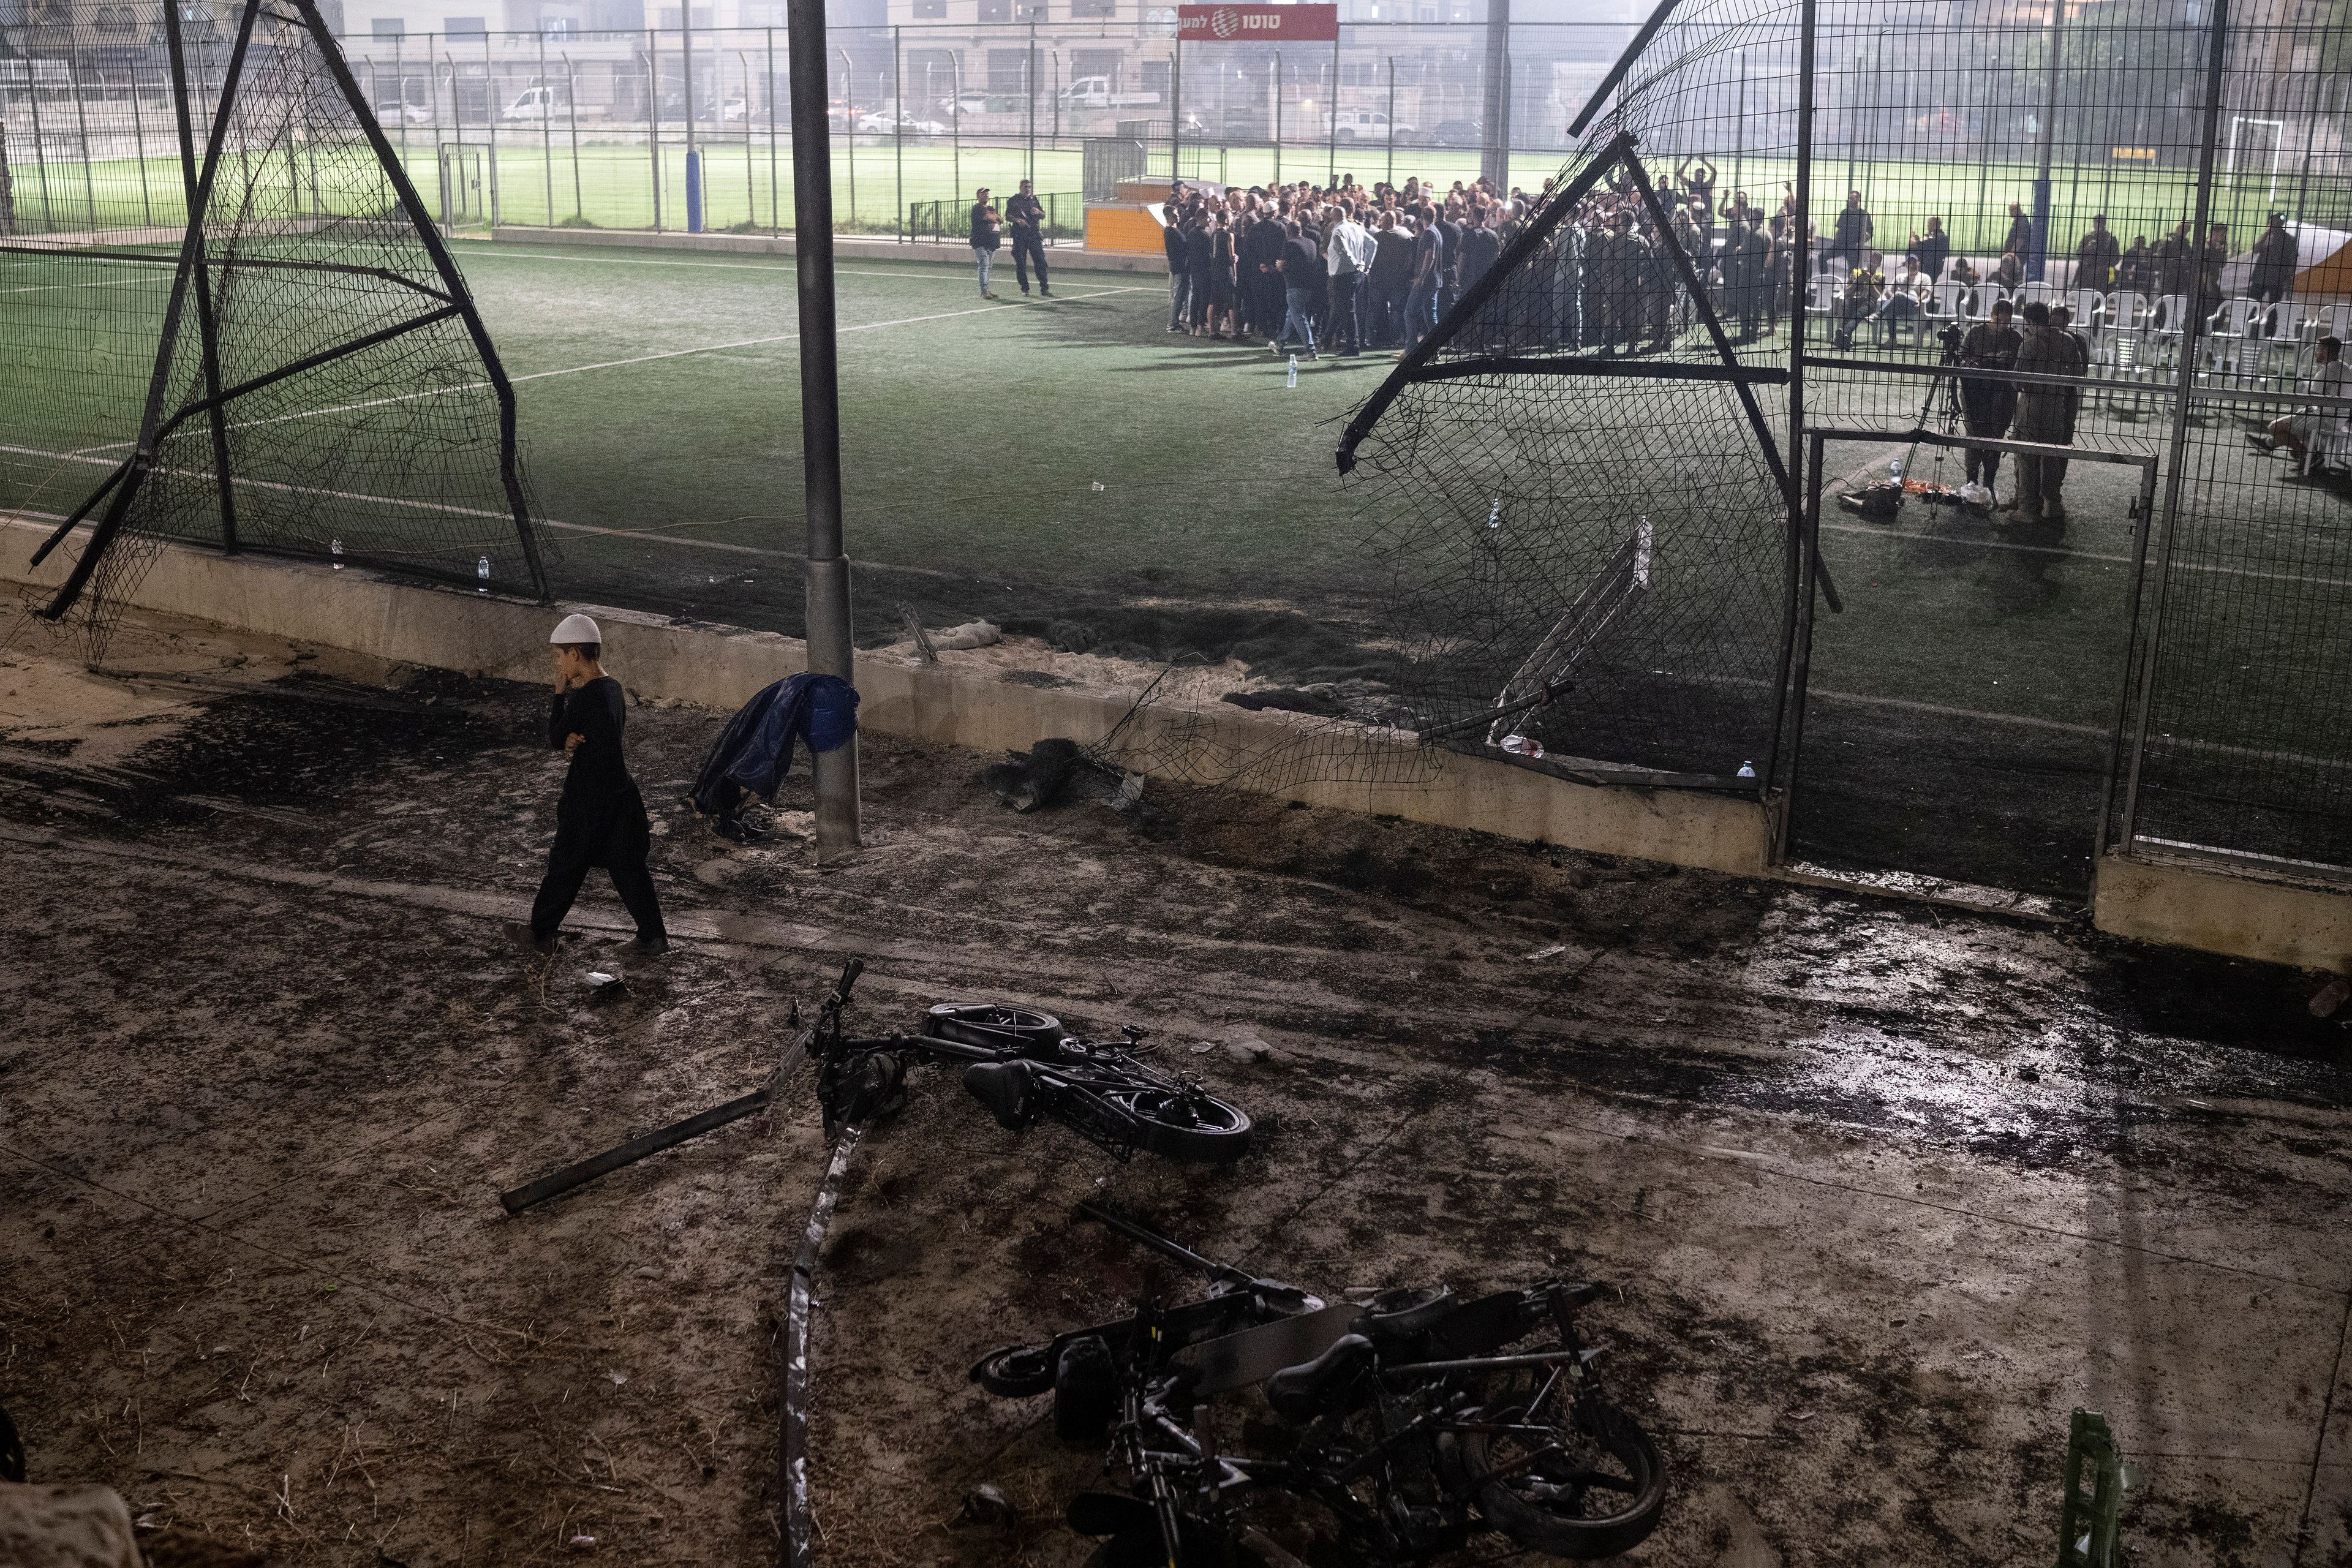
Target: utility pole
[(829, 645)]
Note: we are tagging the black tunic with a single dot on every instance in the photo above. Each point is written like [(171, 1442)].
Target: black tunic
[(600, 818)]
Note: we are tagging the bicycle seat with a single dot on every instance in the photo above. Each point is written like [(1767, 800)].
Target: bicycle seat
[(1298, 1392), (1005, 1088)]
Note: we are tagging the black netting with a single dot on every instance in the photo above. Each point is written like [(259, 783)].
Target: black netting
[(319, 391)]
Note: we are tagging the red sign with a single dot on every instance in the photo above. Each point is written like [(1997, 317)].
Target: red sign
[(1259, 24)]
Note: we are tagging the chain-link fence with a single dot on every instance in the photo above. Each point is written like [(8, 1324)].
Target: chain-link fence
[(598, 129)]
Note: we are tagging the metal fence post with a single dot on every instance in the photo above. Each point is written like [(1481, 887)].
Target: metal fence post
[(1029, 81), (694, 223), (1277, 117), (2168, 518), (775, 212), (400, 86), (898, 126), (1331, 106), (848, 137), (546, 126), (2036, 263), (572, 91), (1175, 109), (139, 138), (653, 116), (1390, 178), (81, 117)]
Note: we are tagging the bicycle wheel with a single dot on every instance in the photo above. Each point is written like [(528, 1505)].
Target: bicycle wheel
[(1017, 1371), (988, 1024), (1592, 1486), (1187, 1127)]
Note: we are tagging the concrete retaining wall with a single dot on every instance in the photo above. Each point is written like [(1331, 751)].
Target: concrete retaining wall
[(2184, 905), (719, 666), (845, 247)]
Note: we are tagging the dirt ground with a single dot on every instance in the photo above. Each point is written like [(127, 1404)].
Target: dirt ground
[(1879, 1191)]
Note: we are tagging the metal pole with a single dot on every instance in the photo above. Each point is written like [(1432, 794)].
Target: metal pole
[(547, 125), (1277, 117), (2047, 142), (1331, 106), (693, 152), (1056, 141), (139, 135), (899, 128), (1176, 108), (200, 275), (1494, 159), (81, 117), (775, 213), (830, 649), (751, 173), (1029, 87), (40, 154), (1804, 453), (1390, 178), (955, 119), (848, 137), (2310, 134), (2199, 308), (1739, 132), (653, 118), (571, 93)]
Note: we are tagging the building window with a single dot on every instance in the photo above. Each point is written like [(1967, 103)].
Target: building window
[(1103, 63), (1029, 10), (464, 27), (931, 10), (1008, 72), (389, 28), (995, 10), (1089, 9)]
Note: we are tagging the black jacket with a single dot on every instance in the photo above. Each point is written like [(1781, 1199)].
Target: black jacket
[(600, 812)]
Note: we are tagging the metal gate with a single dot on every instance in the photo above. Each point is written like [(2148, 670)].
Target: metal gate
[(1107, 160), (469, 188)]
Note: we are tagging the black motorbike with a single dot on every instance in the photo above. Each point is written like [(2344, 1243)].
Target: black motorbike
[(1402, 1424), (1023, 1066)]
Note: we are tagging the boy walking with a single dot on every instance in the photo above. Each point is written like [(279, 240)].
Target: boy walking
[(600, 818)]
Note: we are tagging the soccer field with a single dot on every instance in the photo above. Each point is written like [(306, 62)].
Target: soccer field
[(1068, 466), (746, 180)]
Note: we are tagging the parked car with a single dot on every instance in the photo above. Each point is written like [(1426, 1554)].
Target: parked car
[(1095, 92), (884, 125), (1371, 125), (1455, 133), (535, 104)]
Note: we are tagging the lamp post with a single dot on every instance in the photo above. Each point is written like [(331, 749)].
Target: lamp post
[(848, 140), (830, 650), (693, 154)]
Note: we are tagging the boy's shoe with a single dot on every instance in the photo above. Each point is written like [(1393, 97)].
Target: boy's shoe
[(649, 947), (2261, 444), (520, 933)]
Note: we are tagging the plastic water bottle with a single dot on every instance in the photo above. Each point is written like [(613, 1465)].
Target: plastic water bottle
[(482, 575), (335, 549), (1523, 746), (1894, 470), (1292, 380), (1748, 770), (1495, 513)]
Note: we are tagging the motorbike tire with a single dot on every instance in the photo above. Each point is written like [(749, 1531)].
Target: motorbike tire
[(1017, 1371), (1211, 1134), (1581, 1537), (1086, 1390), (988, 1024)]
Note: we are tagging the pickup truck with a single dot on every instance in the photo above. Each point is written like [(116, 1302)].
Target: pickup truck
[(1094, 92)]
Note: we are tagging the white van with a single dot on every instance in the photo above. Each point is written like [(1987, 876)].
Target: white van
[(1094, 92)]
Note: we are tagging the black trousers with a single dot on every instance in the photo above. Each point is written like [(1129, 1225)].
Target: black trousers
[(567, 868), (1027, 248), (1344, 330)]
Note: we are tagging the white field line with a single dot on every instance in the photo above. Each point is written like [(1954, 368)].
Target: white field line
[(52, 287), (957, 275), (649, 359)]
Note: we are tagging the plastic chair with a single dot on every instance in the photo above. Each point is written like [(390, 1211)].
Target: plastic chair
[(2089, 307), (1982, 298), (2328, 322), (2167, 322), (2127, 312), (1945, 303), (2036, 293)]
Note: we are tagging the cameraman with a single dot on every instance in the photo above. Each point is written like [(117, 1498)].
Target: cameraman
[(1986, 404)]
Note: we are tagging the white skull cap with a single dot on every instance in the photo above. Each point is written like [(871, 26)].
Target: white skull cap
[(576, 628)]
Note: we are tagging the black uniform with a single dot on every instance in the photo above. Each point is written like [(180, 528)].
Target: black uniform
[(600, 818), (1986, 404), (1025, 215)]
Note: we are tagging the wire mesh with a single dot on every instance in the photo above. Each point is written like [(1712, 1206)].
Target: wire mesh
[(317, 390)]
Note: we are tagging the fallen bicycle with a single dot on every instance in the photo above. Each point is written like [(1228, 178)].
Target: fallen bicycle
[(1020, 1063), (1402, 1425)]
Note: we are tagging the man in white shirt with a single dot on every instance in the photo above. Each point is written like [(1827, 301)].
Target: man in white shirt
[(1348, 255), (2329, 377)]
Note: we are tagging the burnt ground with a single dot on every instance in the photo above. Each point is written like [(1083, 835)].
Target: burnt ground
[(1880, 1191)]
